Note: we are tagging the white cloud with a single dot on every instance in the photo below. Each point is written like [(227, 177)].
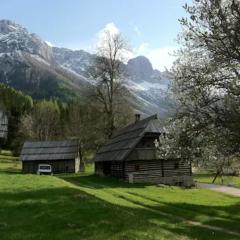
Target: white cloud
[(142, 49), (110, 28), (113, 30), (160, 58), (99, 38)]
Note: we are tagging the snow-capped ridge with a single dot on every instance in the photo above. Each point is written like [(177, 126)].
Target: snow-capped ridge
[(26, 55)]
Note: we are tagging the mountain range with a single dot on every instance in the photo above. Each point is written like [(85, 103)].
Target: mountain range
[(30, 64)]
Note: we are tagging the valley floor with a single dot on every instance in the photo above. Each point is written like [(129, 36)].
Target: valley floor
[(87, 207)]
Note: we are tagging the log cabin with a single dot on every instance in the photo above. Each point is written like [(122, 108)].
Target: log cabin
[(63, 156), (131, 155)]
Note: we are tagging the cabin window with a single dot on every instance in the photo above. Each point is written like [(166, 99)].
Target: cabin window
[(137, 168), (176, 165)]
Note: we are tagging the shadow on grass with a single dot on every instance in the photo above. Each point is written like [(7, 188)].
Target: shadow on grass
[(222, 216), (10, 170), (68, 213), (94, 181)]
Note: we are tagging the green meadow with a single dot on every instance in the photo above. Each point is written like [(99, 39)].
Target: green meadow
[(84, 206)]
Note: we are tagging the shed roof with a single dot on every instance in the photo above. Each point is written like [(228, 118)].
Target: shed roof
[(3, 124), (124, 140), (50, 150)]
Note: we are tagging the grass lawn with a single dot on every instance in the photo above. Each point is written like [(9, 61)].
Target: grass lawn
[(8, 163), (87, 207), (226, 180)]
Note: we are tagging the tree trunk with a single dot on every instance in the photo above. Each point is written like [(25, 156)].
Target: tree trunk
[(217, 174)]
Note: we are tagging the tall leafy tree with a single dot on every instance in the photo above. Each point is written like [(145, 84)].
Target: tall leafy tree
[(43, 122), (109, 90), (207, 82), (15, 104)]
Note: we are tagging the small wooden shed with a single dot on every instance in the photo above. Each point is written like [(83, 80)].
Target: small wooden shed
[(63, 156), (131, 155), (3, 127)]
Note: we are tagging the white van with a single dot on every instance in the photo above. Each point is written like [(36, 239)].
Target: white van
[(44, 169)]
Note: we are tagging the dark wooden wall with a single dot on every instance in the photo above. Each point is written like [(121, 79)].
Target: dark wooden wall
[(58, 166), (157, 168), (111, 168), (148, 140), (142, 165)]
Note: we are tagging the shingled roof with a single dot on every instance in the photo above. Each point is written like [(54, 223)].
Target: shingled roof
[(124, 140), (3, 124), (50, 150)]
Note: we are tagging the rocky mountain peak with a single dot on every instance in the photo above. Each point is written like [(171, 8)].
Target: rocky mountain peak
[(140, 68), (14, 39), (7, 26)]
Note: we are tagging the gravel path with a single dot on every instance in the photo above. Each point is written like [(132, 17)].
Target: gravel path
[(220, 188)]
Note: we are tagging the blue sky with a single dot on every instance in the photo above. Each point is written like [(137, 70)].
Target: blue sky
[(150, 26)]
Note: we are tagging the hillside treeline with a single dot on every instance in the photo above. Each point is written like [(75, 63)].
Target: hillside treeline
[(45, 120)]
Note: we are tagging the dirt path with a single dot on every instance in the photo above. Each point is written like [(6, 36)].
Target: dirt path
[(220, 188)]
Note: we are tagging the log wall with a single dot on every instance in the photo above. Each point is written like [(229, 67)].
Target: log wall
[(165, 168), (142, 165), (172, 172), (98, 168), (153, 170), (58, 166), (111, 168)]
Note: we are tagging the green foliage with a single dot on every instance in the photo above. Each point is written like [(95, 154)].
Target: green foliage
[(206, 85), (56, 120), (87, 121), (43, 122), (41, 81), (16, 102)]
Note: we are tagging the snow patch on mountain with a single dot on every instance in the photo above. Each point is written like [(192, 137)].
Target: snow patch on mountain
[(146, 86)]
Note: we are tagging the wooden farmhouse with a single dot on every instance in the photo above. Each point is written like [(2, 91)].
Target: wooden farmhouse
[(131, 155), (63, 156), (3, 127)]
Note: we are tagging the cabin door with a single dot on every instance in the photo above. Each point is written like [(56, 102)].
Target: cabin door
[(106, 168)]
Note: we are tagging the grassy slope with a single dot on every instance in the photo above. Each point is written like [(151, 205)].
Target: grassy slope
[(92, 208), (8, 163)]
